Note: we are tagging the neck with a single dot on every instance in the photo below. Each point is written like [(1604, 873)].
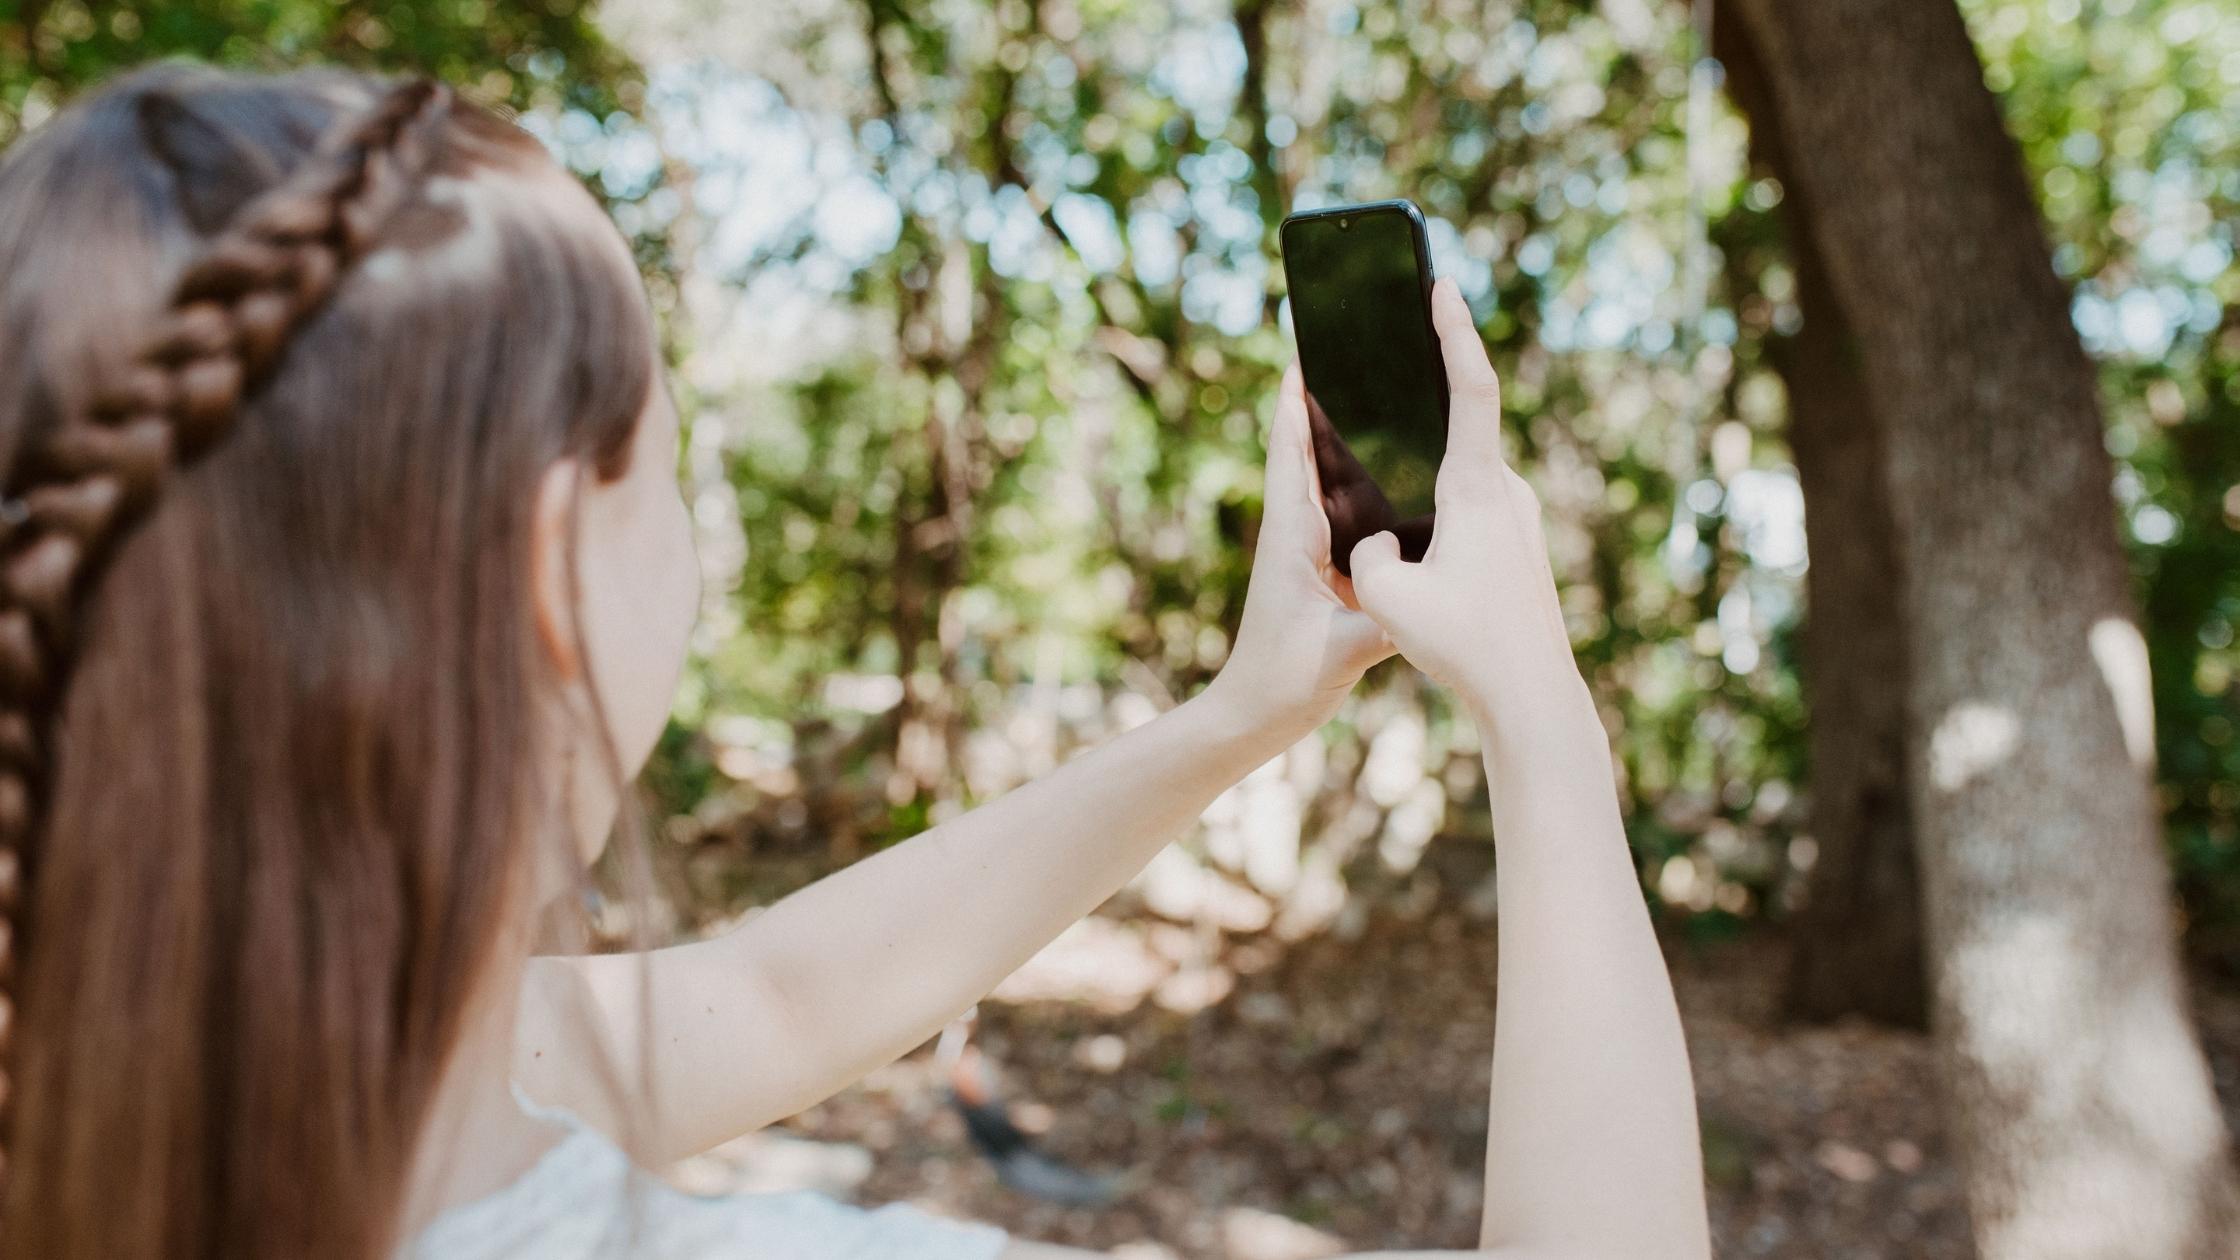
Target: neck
[(477, 1139)]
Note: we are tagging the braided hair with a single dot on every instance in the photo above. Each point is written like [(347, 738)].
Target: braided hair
[(75, 494)]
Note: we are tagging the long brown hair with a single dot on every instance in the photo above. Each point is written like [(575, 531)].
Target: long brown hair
[(282, 361)]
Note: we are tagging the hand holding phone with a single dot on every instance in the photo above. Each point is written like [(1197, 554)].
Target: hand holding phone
[(1480, 612), (1360, 284)]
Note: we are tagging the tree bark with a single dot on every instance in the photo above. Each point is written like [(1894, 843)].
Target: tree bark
[(2083, 1108), (1859, 935), (1858, 938)]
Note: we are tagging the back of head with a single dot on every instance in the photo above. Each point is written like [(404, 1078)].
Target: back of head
[(281, 362)]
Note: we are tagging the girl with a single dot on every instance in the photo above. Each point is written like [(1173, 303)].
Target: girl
[(344, 580)]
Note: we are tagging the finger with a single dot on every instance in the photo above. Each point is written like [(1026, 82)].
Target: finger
[(1290, 475), (1379, 575), (1361, 642), (1295, 391), (1474, 402), (1341, 584)]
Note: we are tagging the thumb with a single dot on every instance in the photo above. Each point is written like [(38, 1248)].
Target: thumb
[(1360, 640), (1380, 576)]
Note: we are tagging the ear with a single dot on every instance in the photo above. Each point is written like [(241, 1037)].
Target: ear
[(551, 576), (217, 169)]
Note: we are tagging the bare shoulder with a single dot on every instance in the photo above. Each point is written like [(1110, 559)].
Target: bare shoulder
[(559, 1051)]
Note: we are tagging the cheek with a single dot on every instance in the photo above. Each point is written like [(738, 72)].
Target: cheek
[(643, 621), (680, 586)]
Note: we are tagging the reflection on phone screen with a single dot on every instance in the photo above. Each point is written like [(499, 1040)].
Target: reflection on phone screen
[(1357, 308)]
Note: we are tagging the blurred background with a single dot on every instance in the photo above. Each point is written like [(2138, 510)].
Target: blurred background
[(975, 318)]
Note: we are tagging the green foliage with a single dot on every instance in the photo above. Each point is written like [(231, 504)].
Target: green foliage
[(528, 56), (1080, 306), (1042, 474), (975, 309)]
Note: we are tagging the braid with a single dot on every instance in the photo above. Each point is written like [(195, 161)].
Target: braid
[(73, 498)]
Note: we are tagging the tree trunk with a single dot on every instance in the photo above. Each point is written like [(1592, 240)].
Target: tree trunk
[(2083, 1109), (1858, 938)]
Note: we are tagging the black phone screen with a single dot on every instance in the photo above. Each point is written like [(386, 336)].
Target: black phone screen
[(1360, 282)]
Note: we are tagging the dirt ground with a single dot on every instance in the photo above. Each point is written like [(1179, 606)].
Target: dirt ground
[(1265, 1102)]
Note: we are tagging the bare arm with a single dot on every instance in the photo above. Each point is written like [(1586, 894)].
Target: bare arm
[(1592, 1147), (861, 966), (1592, 1144), (845, 975)]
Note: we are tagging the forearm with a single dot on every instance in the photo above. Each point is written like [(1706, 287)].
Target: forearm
[(879, 956), (1592, 1142), (843, 976)]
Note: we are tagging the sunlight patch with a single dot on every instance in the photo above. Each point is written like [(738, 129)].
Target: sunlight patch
[(2121, 652), (1972, 738)]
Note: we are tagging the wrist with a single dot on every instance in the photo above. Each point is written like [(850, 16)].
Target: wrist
[(1230, 718), (1531, 717)]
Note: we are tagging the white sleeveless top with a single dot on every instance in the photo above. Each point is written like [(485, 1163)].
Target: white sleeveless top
[(584, 1201)]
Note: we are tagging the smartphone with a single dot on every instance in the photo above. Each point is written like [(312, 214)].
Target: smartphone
[(1360, 291)]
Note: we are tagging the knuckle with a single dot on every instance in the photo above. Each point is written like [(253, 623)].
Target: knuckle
[(1463, 489), (1450, 499), (1480, 388)]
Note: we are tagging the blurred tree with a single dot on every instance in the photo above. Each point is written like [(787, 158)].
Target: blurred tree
[(1091, 191), (522, 55), (1858, 946), (2084, 1109)]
